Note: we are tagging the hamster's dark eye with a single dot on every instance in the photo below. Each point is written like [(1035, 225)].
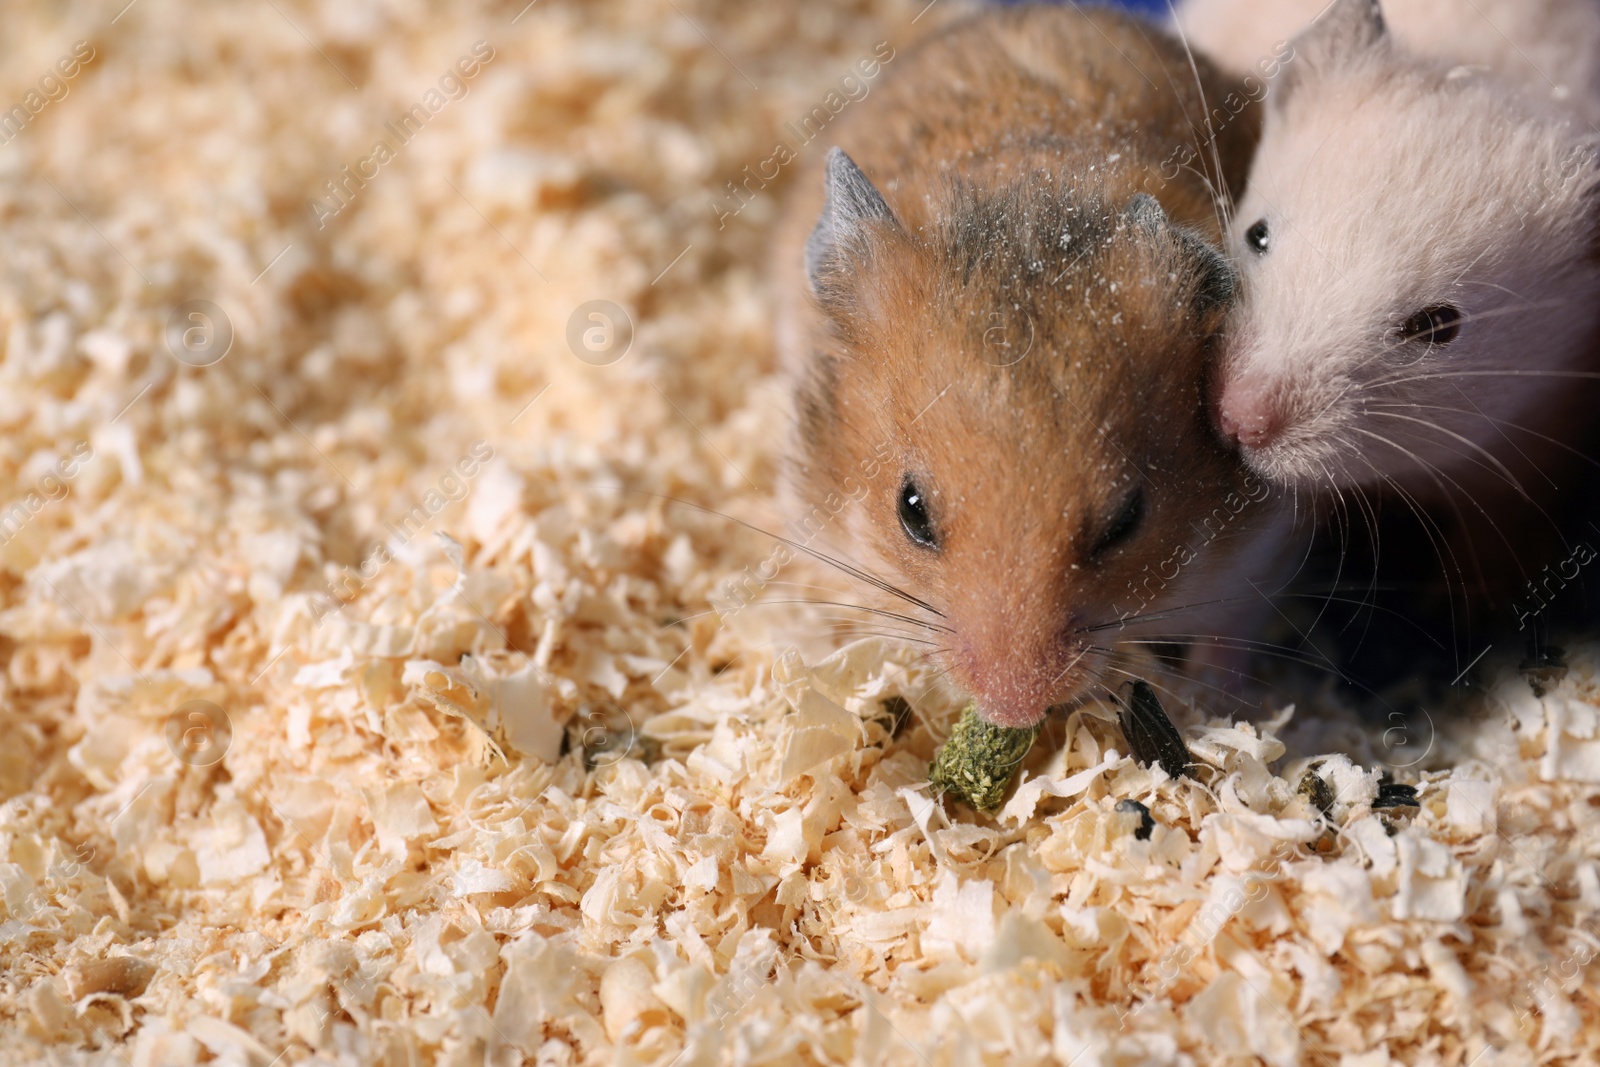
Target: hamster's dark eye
[(1123, 526), (914, 518), (1438, 324), (1256, 237)]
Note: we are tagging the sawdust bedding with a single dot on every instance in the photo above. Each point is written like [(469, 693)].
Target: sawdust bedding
[(508, 790)]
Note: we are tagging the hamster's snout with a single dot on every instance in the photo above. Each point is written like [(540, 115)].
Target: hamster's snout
[(1248, 414), (1017, 677)]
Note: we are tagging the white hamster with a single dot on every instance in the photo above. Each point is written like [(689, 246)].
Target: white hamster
[(1418, 246)]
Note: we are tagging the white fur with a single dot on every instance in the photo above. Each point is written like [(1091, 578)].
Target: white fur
[(1390, 182), (1548, 48)]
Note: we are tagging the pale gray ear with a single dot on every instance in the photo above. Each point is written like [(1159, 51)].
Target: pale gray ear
[(851, 201), (1146, 211), (1219, 284), (1345, 28)]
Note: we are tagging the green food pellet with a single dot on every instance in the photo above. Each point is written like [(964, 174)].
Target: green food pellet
[(978, 762)]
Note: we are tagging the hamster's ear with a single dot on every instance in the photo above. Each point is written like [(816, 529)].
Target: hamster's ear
[(852, 202), (1218, 283), (1146, 211), (1346, 28)]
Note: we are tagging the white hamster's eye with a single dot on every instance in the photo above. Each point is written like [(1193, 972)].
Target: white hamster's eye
[(914, 519), (1437, 324), (1256, 237), (1126, 523)]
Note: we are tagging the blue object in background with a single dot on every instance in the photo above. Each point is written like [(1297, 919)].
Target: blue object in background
[(1155, 9)]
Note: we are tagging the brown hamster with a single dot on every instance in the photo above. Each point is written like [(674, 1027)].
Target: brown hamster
[(998, 348)]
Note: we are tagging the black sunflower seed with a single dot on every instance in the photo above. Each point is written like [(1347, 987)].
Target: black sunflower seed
[(1147, 822), (1151, 736), (1395, 795), (1316, 789)]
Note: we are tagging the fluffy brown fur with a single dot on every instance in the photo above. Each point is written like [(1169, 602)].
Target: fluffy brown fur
[(1021, 331)]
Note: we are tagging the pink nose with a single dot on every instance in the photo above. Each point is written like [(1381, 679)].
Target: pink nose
[(1248, 415), (1016, 687)]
